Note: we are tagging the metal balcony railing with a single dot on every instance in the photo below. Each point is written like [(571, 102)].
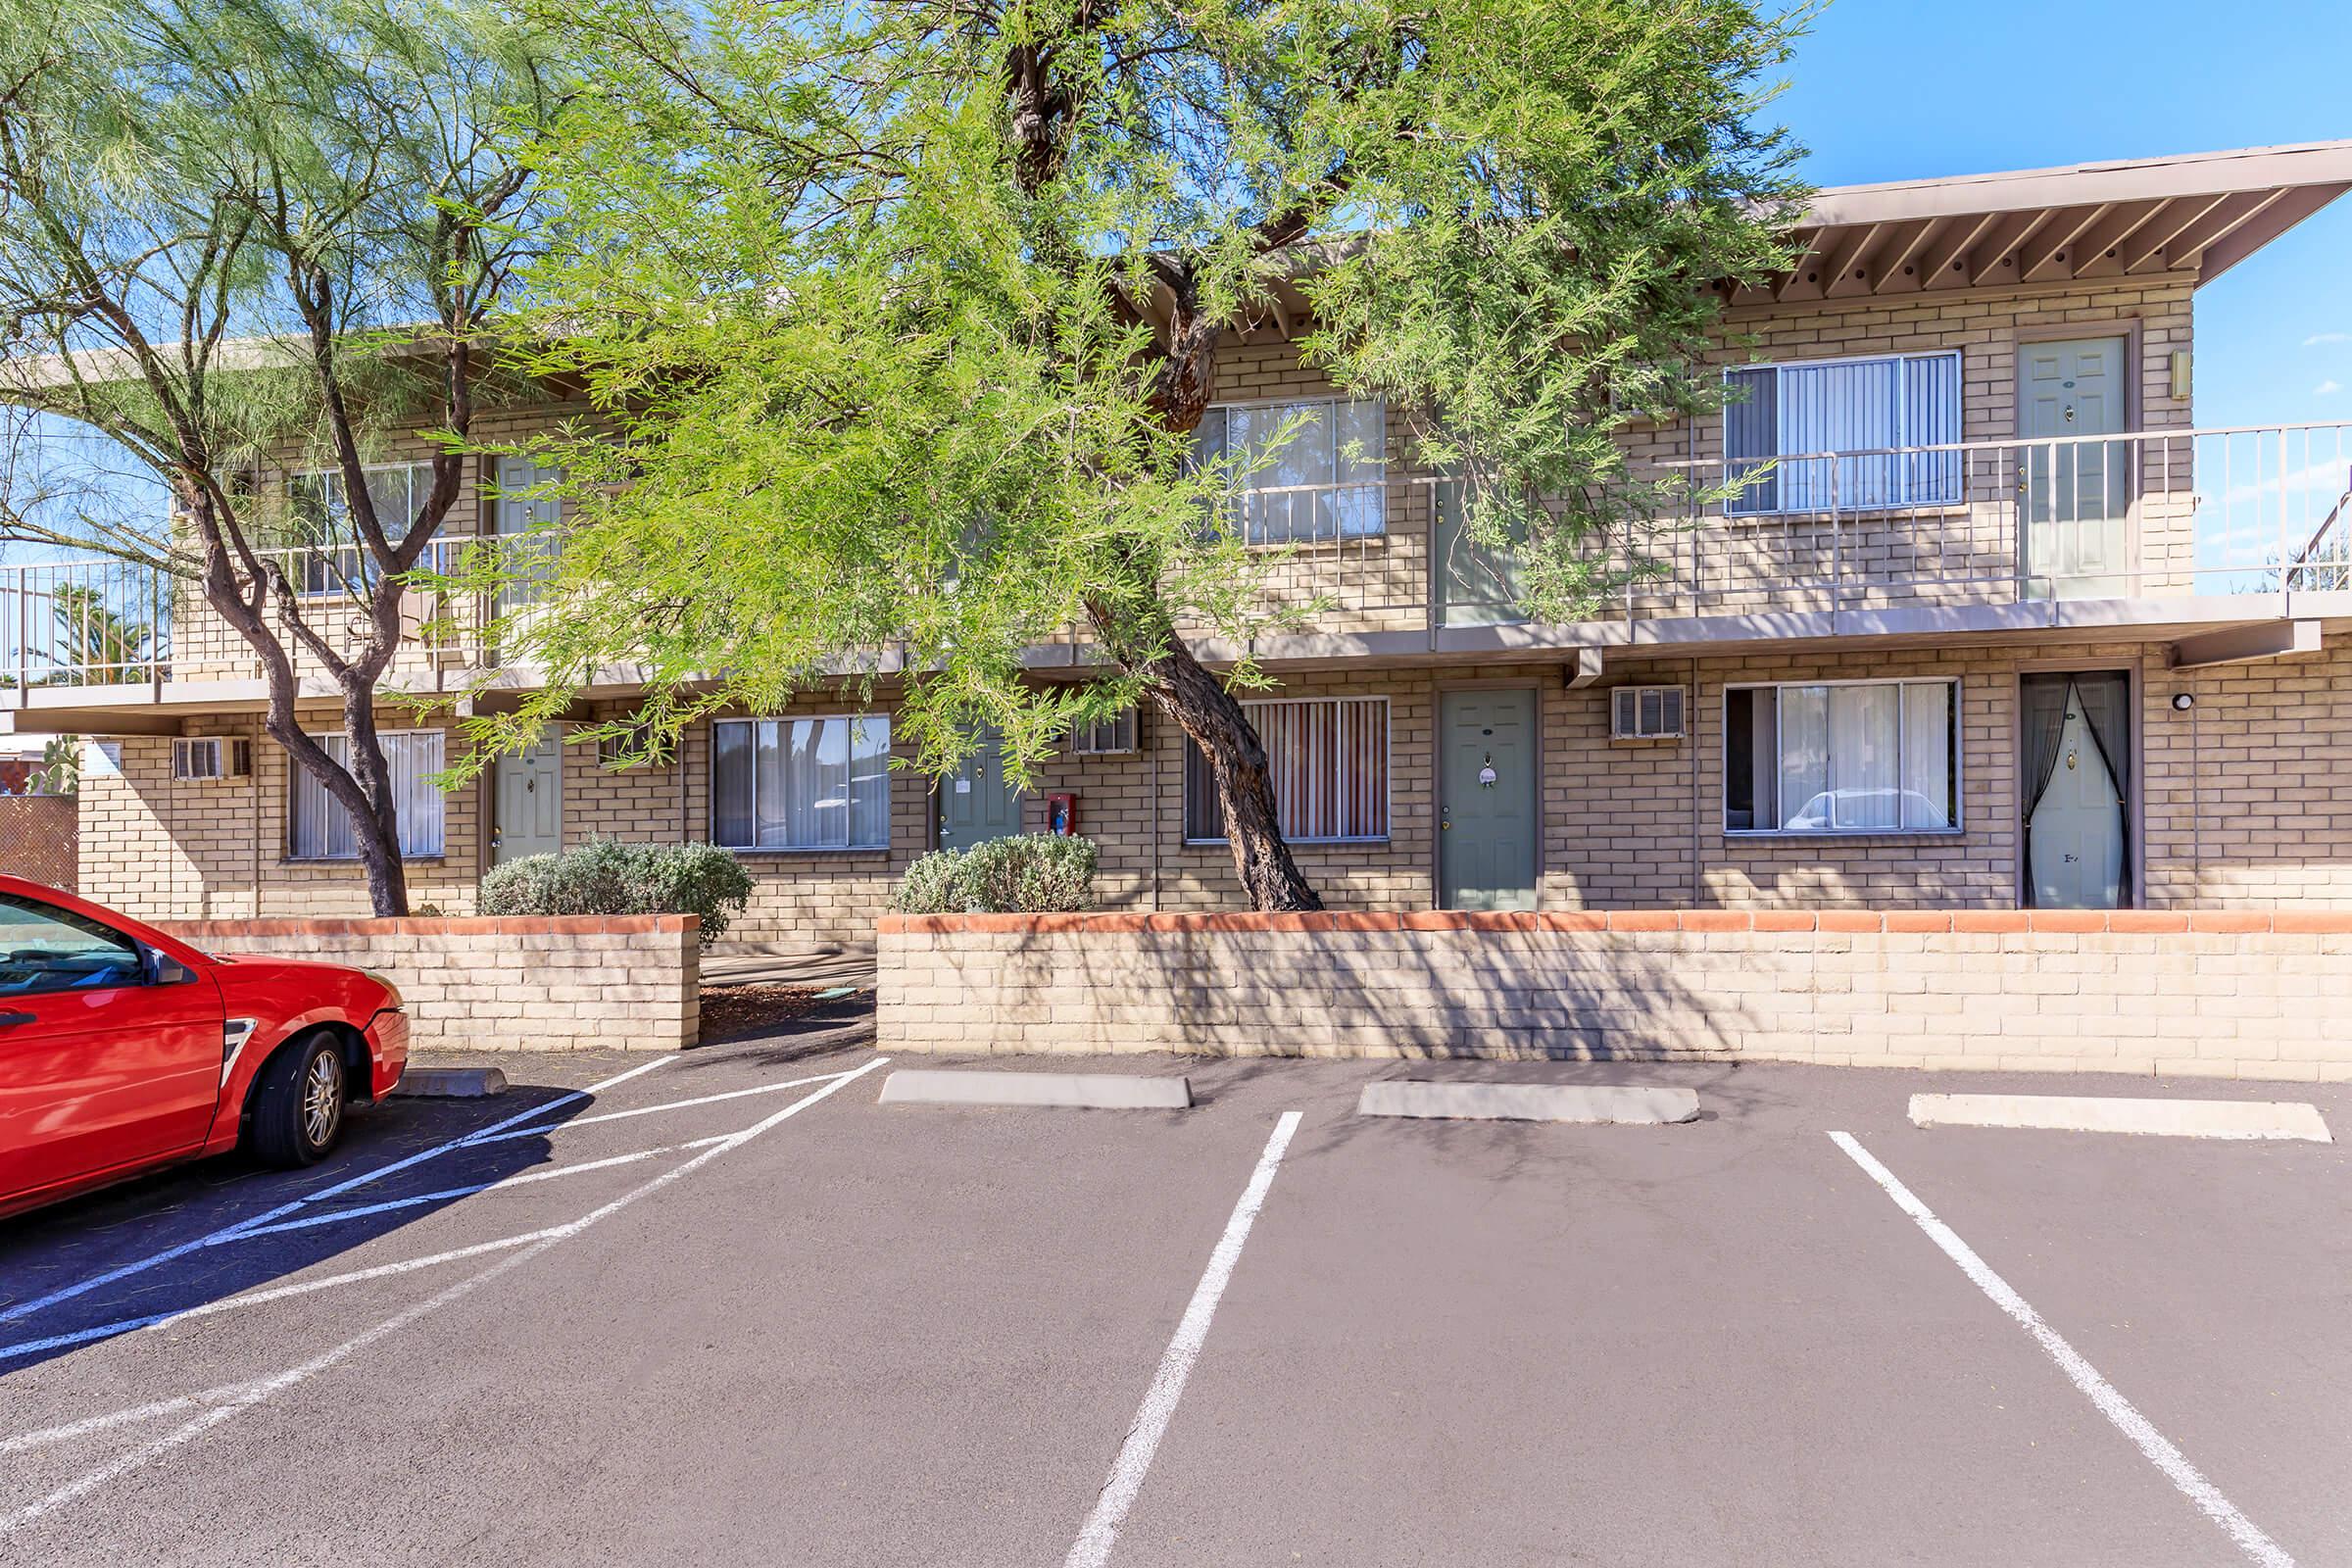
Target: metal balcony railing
[(108, 622), (2150, 514), (2154, 514)]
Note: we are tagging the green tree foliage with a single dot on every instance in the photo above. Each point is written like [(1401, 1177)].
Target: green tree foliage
[(896, 322), (240, 231)]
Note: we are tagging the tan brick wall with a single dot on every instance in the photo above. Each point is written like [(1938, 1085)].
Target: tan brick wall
[(2216, 995), (2243, 804), (160, 849), (562, 983)]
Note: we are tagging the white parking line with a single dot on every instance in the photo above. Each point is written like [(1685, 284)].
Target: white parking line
[(2258, 1547), (648, 1110), (448, 1193), (177, 1314), (1101, 1531), (66, 1293), (261, 1391), (235, 1234)]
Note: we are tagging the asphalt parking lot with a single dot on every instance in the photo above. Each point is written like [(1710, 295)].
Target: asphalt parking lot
[(724, 1307)]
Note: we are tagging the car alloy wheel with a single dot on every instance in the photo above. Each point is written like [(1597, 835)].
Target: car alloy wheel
[(323, 1097)]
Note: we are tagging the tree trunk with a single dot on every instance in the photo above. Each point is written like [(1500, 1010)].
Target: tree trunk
[(377, 831), (1237, 760), (375, 835)]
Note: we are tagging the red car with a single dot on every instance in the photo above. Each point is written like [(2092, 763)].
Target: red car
[(123, 1048)]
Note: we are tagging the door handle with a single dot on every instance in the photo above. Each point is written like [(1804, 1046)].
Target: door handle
[(9, 1020)]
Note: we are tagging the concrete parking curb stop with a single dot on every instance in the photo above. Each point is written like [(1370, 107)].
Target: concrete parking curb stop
[(1085, 1091), (451, 1083), (2298, 1121), (1604, 1103)]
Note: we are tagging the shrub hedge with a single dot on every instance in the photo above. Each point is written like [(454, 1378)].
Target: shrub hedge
[(605, 876)]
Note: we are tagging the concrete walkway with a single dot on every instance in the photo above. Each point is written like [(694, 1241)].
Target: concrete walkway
[(742, 963)]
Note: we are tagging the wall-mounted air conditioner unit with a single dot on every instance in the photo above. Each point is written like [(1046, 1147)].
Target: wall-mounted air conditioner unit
[(1646, 713), (210, 757)]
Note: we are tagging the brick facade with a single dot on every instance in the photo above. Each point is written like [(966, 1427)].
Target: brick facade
[(2236, 799), (2232, 996)]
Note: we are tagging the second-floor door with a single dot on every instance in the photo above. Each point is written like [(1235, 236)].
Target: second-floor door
[(530, 800), (2075, 495), (979, 800)]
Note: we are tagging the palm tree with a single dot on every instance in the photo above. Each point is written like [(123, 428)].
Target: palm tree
[(97, 646)]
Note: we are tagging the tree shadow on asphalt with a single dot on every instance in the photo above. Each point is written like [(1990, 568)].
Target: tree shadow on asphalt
[(827, 1028), (58, 1247)]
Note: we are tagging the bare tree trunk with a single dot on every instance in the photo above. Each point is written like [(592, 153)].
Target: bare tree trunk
[(377, 830), (1206, 713), (363, 790)]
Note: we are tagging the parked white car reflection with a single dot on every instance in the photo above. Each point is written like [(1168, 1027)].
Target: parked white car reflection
[(1863, 810)]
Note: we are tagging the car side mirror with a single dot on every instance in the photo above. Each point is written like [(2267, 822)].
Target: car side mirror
[(164, 970)]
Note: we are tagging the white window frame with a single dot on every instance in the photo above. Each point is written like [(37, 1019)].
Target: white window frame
[(1236, 509), (752, 723), (352, 549), (1959, 823), (1904, 435), (1388, 747), (414, 844)]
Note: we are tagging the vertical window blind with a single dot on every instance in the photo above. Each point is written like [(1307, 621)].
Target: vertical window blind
[(1329, 758), (1325, 483), (318, 828), (801, 783), (1786, 411)]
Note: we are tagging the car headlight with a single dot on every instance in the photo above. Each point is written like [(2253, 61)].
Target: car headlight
[(387, 983)]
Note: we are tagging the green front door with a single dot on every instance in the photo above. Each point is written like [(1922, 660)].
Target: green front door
[(529, 800), (2076, 494), (1486, 799), (978, 802)]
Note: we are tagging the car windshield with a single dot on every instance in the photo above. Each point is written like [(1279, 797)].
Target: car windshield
[(43, 948)]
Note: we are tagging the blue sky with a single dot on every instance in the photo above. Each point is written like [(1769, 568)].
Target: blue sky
[(1897, 90)]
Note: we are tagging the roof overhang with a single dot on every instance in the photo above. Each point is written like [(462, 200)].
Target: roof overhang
[(2194, 217)]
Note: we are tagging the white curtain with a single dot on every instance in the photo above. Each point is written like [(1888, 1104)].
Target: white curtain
[(1805, 777), (1928, 755), (1872, 757), (1863, 751), (321, 830), (802, 783)]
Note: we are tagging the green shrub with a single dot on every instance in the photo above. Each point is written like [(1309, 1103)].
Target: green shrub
[(1035, 873), (604, 876)]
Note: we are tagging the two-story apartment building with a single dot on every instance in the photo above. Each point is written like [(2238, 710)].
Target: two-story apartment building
[(1995, 624)]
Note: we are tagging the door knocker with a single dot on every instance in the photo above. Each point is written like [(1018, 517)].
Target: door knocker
[(1486, 773), (2070, 762)]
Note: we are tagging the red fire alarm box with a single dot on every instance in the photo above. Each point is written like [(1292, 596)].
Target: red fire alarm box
[(1061, 813)]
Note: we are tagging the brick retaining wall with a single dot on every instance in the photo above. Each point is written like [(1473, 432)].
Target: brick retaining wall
[(2251, 994), (509, 983)]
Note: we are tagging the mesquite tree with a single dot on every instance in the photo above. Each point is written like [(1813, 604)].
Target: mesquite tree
[(247, 232), (896, 322)]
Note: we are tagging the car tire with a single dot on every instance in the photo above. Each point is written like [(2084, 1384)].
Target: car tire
[(299, 1103)]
